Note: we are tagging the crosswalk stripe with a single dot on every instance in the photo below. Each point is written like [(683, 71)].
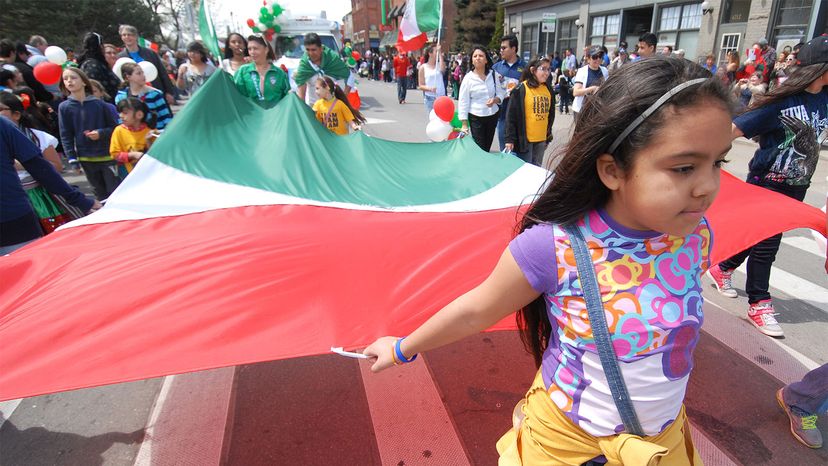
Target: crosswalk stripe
[(802, 243), (7, 408), (796, 287)]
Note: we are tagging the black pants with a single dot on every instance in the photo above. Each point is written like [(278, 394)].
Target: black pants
[(483, 130), (402, 87), (760, 257), (103, 176)]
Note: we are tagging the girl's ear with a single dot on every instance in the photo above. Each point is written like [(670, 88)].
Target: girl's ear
[(610, 173)]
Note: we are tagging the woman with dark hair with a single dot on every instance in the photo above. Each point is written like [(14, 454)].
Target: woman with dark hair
[(480, 99), (235, 53), (529, 117), (111, 55), (790, 121), (193, 74), (93, 62), (260, 79), (430, 77), (606, 276)]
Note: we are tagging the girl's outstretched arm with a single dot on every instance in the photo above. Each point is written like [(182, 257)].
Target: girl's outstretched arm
[(502, 293)]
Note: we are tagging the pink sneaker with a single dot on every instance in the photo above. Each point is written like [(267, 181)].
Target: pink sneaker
[(722, 280), (761, 315)]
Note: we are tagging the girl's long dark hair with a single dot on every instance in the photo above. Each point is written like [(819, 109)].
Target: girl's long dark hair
[(228, 52), (797, 81), (528, 74), (575, 188), (92, 48), (340, 94), (489, 62), (134, 104)]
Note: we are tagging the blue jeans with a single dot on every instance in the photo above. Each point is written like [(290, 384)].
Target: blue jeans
[(811, 393), (428, 101), (402, 86)]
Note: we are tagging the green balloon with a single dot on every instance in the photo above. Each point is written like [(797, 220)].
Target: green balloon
[(347, 50), (455, 122), (263, 10), (277, 29), (351, 61), (256, 30), (277, 9)]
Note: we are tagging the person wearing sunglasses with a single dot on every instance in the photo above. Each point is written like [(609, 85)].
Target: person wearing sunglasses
[(508, 71), (588, 79)]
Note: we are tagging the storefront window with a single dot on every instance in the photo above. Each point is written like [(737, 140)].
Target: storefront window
[(604, 30), (567, 36), (791, 20), (735, 11), (529, 38), (679, 27)]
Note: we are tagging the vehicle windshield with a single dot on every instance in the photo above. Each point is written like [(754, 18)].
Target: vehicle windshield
[(294, 46)]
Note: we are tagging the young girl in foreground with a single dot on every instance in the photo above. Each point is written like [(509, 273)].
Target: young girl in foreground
[(333, 109), (648, 252), (134, 136)]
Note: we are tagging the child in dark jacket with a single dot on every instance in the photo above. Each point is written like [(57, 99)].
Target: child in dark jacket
[(531, 113), (86, 126), (565, 90)]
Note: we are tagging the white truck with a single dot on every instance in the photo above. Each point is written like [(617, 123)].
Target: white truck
[(289, 42)]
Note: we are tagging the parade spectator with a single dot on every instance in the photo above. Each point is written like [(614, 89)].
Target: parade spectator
[(110, 54), (86, 126), (93, 62), (99, 92), (767, 52), (508, 72), (430, 77), (37, 48), (134, 136), (588, 80), (19, 225), (710, 64), (235, 53), (458, 74), (603, 194), (41, 115), (260, 79), (16, 55), (803, 401), (565, 90), (667, 51), (555, 63), (385, 68), (788, 121), (680, 54), (318, 61), (401, 66), (732, 68), (569, 62), (531, 114), (480, 99), (376, 66), (646, 45), (129, 35), (746, 90), (622, 59), (193, 74), (9, 78), (135, 85), (333, 109)]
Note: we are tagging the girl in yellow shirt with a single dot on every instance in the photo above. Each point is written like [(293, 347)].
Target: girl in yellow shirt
[(131, 139), (531, 113), (333, 109)]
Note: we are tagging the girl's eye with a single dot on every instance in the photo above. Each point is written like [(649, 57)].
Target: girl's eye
[(683, 170), (720, 163)]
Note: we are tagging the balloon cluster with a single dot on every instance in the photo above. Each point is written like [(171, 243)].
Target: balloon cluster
[(352, 55), (267, 23), (150, 71), (443, 121), (48, 72)]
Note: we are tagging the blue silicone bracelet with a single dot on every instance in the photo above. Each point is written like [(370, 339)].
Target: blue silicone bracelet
[(399, 353)]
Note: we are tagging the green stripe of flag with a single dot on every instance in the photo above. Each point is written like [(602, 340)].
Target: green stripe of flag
[(208, 31), (428, 14)]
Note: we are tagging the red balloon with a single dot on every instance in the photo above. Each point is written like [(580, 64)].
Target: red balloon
[(356, 55), (250, 22), (455, 135), (48, 73), (444, 108), (354, 100)]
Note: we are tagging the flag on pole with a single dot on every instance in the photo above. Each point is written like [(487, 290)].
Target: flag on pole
[(208, 30), (420, 17), (146, 43)]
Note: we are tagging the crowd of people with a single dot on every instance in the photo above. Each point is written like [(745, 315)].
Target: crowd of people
[(628, 141)]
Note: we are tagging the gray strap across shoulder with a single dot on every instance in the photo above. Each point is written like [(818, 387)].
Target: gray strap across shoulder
[(600, 331)]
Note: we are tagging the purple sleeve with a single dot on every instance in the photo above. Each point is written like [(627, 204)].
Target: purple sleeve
[(534, 252)]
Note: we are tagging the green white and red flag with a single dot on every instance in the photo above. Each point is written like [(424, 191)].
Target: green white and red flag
[(250, 234), (419, 18)]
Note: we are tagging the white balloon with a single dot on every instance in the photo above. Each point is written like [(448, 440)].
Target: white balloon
[(55, 54), (438, 130), (116, 68), (150, 71), (432, 115)]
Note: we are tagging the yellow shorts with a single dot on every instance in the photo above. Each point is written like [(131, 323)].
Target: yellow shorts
[(543, 435)]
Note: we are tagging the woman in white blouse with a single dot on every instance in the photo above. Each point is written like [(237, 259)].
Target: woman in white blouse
[(480, 99)]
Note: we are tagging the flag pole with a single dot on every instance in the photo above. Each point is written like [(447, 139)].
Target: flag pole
[(439, 33)]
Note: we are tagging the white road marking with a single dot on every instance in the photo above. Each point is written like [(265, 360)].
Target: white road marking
[(803, 243), (377, 121), (7, 408)]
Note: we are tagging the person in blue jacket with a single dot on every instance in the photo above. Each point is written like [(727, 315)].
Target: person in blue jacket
[(507, 71), (19, 224)]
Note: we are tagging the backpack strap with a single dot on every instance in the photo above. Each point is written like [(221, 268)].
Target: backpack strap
[(600, 331)]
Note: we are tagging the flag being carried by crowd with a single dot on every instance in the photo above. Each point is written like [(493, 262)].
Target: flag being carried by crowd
[(250, 234)]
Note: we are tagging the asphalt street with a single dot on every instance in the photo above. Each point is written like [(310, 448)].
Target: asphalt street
[(450, 408)]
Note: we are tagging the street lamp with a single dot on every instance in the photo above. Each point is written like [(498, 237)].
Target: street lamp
[(706, 8), (578, 23)]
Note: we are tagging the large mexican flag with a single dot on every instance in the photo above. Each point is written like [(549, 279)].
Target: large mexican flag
[(250, 234)]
